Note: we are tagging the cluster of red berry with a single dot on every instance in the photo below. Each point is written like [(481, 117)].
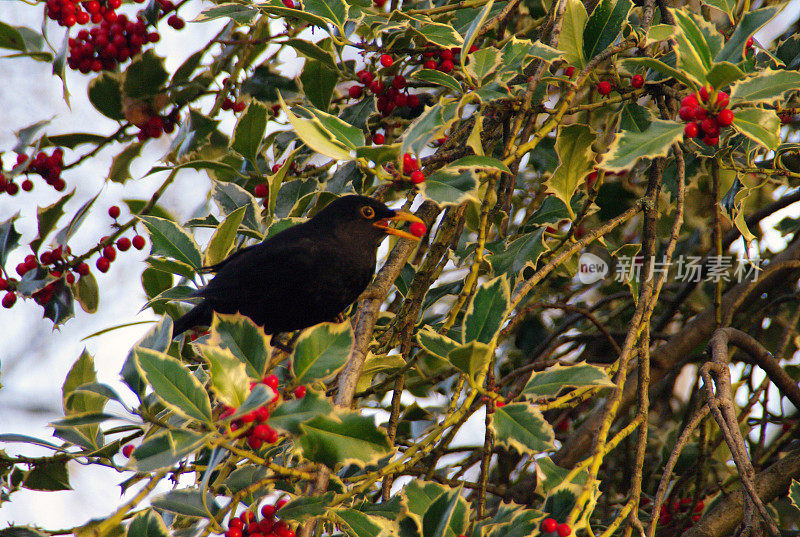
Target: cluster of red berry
[(231, 102), (551, 527), (48, 166), (55, 263), (706, 113), (255, 422), (153, 126), (390, 96), (105, 46), (261, 190), (247, 525), (116, 39), (71, 12), (411, 168), (604, 87), (442, 60), (109, 253), (676, 507)]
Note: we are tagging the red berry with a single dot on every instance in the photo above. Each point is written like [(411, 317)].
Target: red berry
[(499, 404), (376, 87), (722, 99), (83, 269), (9, 299), (704, 93), (569, 71), (280, 503), (401, 99), (413, 101), (176, 22), (699, 507), (563, 530), (446, 54), (355, 92), (749, 43), (261, 413), (114, 212), (260, 431), (103, 264), (247, 517), (289, 3), (637, 81), (276, 167), (250, 417), (3, 284), (110, 253), (446, 66), (690, 101), (417, 177), (409, 162), (430, 64), (21, 269), (386, 60), (70, 278), (710, 126), (239, 106), (549, 525), (378, 138), (233, 532), (365, 77), (696, 518), (700, 113), (27, 185), (138, 242), (127, 450), (691, 130), (254, 443), (271, 381), (604, 87), (399, 82), (268, 511), (300, 392), (227, 104), (261, 190), (12, 189), (686, 113), (237, 523), (710, 140), (417, 229), (124, 244), (725, 117)]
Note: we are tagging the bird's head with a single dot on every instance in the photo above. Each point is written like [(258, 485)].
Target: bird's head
[(364, 216)]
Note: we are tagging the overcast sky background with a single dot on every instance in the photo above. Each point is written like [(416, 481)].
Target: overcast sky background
[(34, 358)]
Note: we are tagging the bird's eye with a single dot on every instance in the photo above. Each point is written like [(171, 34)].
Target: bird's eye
[(367, 212)]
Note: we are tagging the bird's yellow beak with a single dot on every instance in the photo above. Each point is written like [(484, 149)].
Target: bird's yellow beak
[(399, 216)]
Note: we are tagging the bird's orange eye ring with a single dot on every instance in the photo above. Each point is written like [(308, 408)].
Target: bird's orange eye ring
[(367, 212)]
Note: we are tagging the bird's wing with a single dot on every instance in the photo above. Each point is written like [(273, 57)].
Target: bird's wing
[(269, 274), (217, 266)]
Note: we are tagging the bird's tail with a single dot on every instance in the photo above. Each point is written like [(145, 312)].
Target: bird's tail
[(199, 315)]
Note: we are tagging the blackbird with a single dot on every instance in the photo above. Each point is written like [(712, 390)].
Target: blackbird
[(304, 275)]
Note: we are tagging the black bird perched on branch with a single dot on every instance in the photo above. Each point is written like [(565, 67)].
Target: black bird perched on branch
[(304, 275)]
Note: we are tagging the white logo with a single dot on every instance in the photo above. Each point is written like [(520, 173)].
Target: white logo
[(591, 268)]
